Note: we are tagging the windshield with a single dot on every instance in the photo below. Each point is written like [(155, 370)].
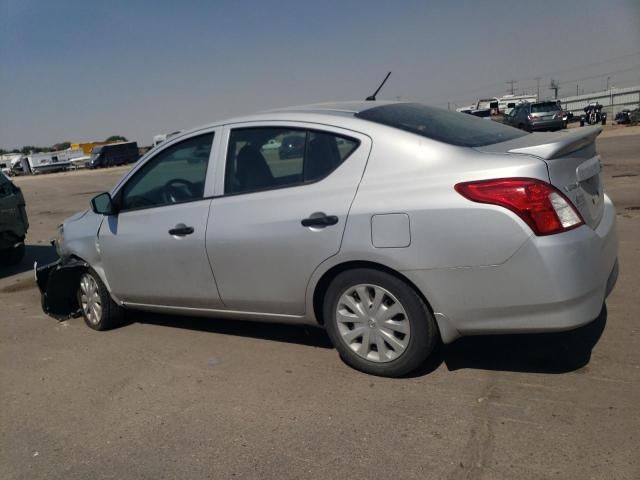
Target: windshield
[(544, 107), (96, 150), (444, 126)]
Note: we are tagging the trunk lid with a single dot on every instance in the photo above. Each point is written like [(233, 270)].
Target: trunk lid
[(572, 162)]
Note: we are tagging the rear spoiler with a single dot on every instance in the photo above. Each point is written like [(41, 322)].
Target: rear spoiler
[(566, 143)]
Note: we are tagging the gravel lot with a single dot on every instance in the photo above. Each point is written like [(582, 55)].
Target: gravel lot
[(171, 397)]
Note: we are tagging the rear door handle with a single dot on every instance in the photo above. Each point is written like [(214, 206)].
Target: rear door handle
[(320, 221), (181, 230)]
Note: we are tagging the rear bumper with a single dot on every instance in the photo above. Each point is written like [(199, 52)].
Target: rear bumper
[(547, 125), (552, 283)]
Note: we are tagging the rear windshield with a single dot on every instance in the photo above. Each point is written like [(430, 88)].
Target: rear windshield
[(544, 107), (442, 125)]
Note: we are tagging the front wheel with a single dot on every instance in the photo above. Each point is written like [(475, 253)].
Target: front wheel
[(100, 312), (378, 323)]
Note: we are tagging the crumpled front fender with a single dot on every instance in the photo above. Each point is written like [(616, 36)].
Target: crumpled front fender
[(58, 284)]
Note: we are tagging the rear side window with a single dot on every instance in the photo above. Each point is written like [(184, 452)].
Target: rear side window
[(544, 107), (449, 127), (267, 158)]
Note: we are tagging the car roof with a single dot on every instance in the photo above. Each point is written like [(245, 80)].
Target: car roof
[(315, 112), (335, 107)]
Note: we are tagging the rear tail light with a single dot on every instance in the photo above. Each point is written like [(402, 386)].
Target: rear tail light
[(544, 208)]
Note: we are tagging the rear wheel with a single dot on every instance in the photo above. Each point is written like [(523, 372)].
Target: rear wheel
[(100, 312), (378, 323)]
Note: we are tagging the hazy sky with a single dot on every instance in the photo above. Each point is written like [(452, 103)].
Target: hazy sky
[(85, 70)]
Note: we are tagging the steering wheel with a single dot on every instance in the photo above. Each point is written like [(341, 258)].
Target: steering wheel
[(178, 189)]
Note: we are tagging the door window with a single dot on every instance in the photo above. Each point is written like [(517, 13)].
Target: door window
[(267, 158), (175, 175)]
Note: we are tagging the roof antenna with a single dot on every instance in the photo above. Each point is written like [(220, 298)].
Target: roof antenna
[(372, 98)]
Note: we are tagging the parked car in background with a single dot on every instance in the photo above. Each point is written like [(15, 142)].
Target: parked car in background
[(292, 146), (392, 225), (537, 116), (623, 117), (13, 222), (113, 154)]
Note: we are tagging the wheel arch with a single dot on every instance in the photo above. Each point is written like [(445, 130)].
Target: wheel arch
[(327, 277)]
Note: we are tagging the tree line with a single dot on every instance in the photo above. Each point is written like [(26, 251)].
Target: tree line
[(54, 148)]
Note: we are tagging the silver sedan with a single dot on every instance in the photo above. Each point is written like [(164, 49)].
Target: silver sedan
[(392, 225)]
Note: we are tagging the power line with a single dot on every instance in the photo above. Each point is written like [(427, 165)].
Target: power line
[(574, 80), (569, 69), (604, 74)]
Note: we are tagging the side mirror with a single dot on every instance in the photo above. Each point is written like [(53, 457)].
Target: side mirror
[(103, 204)]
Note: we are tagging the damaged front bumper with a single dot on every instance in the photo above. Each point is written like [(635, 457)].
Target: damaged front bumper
[(58, 283)]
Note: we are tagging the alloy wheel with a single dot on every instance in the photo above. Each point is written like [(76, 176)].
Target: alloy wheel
[(373, 323), (90, 301)]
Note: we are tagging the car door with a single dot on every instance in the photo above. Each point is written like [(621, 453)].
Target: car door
[(153, 250), (283, 211)]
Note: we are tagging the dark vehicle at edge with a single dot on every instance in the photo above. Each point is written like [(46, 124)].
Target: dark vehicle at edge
[(13, 222)]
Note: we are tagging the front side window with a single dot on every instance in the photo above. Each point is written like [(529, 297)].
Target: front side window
[(267, 158), (175, 175)]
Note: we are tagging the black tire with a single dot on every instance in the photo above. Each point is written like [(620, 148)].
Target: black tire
[(111, 314), (423, 336), (12, 256)]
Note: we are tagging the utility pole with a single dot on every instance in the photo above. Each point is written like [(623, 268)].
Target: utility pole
[(538, 87), (512, 83), (577, 90), (554, 85)]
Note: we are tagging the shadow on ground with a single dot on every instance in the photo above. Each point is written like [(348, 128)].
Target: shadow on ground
[(300, 334), (536, 353), (553, 353), (42, 254)]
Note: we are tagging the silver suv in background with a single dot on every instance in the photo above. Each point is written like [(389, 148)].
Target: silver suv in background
[(537, 116)]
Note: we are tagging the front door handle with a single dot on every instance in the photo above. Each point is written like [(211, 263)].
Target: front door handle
[(320, 221), (181, 230)]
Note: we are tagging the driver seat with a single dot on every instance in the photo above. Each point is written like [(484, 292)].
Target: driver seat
[(252, 170)]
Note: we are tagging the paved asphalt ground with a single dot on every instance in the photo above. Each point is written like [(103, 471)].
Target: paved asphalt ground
[(183, 398)]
